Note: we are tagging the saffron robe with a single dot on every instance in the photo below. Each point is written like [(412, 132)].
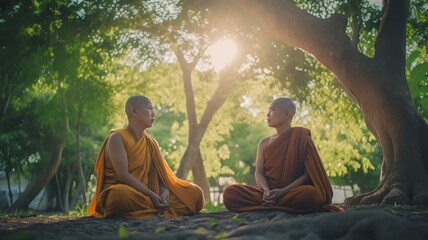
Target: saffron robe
[(285, 160), (147, 164)]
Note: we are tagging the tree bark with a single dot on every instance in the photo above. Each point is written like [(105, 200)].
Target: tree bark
[(195, 137), (67, 190), (200, 176), (7, 171), (38, 184), (59, 193), (5, 97), (377, 85), (81, 188)]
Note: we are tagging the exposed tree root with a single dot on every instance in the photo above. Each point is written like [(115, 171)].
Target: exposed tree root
[(421, 198), (397, 195), (376, 197), (421, 194), (403, 194), (355, 200)]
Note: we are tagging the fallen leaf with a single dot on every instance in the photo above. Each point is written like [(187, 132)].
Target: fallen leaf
[(123, 233), (201, 230), (238, 219), (212, 222), (160, 229), (221, 235)]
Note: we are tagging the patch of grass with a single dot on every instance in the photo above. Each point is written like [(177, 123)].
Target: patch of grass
[(212, 223), (396, 205), (79, 211), (238, 219), (210, 208), (19, 213)]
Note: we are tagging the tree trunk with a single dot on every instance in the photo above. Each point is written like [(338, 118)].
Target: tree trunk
[(197, 130), (19, 177), (79, 196), (187, 161), (81, 186), (7, 171), (68, 182), (195, 137), (200, 176), (5, 97), (377, 85), (59, 193), (38, 184)]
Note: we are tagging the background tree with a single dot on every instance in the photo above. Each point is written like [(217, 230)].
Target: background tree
[(47, 95), (188, 34), (378, 86), (67, 67)]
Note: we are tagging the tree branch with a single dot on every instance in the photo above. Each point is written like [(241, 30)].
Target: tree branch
[(188, 88), (6, 95), (356, 24), (326, 39), (225, 86), (390, 44), (285, 22), (229, 77)]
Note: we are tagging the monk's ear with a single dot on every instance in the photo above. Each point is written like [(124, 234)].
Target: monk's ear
[(133, 110)]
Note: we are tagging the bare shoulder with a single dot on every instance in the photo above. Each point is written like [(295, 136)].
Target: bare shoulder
[(115, 136), (264, 142), (115, 140)]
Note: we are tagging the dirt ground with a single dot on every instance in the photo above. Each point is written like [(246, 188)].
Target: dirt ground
[(368, 222)]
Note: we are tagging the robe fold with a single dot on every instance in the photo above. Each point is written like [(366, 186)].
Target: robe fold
[(285, 160), (147, 164)]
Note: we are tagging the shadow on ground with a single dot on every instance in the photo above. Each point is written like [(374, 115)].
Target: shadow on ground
[(380, 223)]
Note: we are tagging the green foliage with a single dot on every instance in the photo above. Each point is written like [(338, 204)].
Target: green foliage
[(239, 219), (66, 87), (79, 211), (21, 213), (212, 222), (396, 206), (210, 208), (242, 142), (417, 76), (417, 32), (68, 65)]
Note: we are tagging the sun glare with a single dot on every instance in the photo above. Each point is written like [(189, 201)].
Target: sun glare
[(222, 53)]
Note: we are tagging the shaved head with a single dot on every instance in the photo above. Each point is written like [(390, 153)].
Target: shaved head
[(136, 101), (285, 104)]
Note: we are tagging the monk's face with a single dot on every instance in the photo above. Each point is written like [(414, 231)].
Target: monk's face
[(276, 115), (144, 113)]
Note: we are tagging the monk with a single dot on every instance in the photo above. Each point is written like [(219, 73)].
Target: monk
[(133, 179), (289, 173)]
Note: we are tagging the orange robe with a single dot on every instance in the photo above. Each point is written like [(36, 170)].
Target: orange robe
[(146, 163), (285, 160)]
